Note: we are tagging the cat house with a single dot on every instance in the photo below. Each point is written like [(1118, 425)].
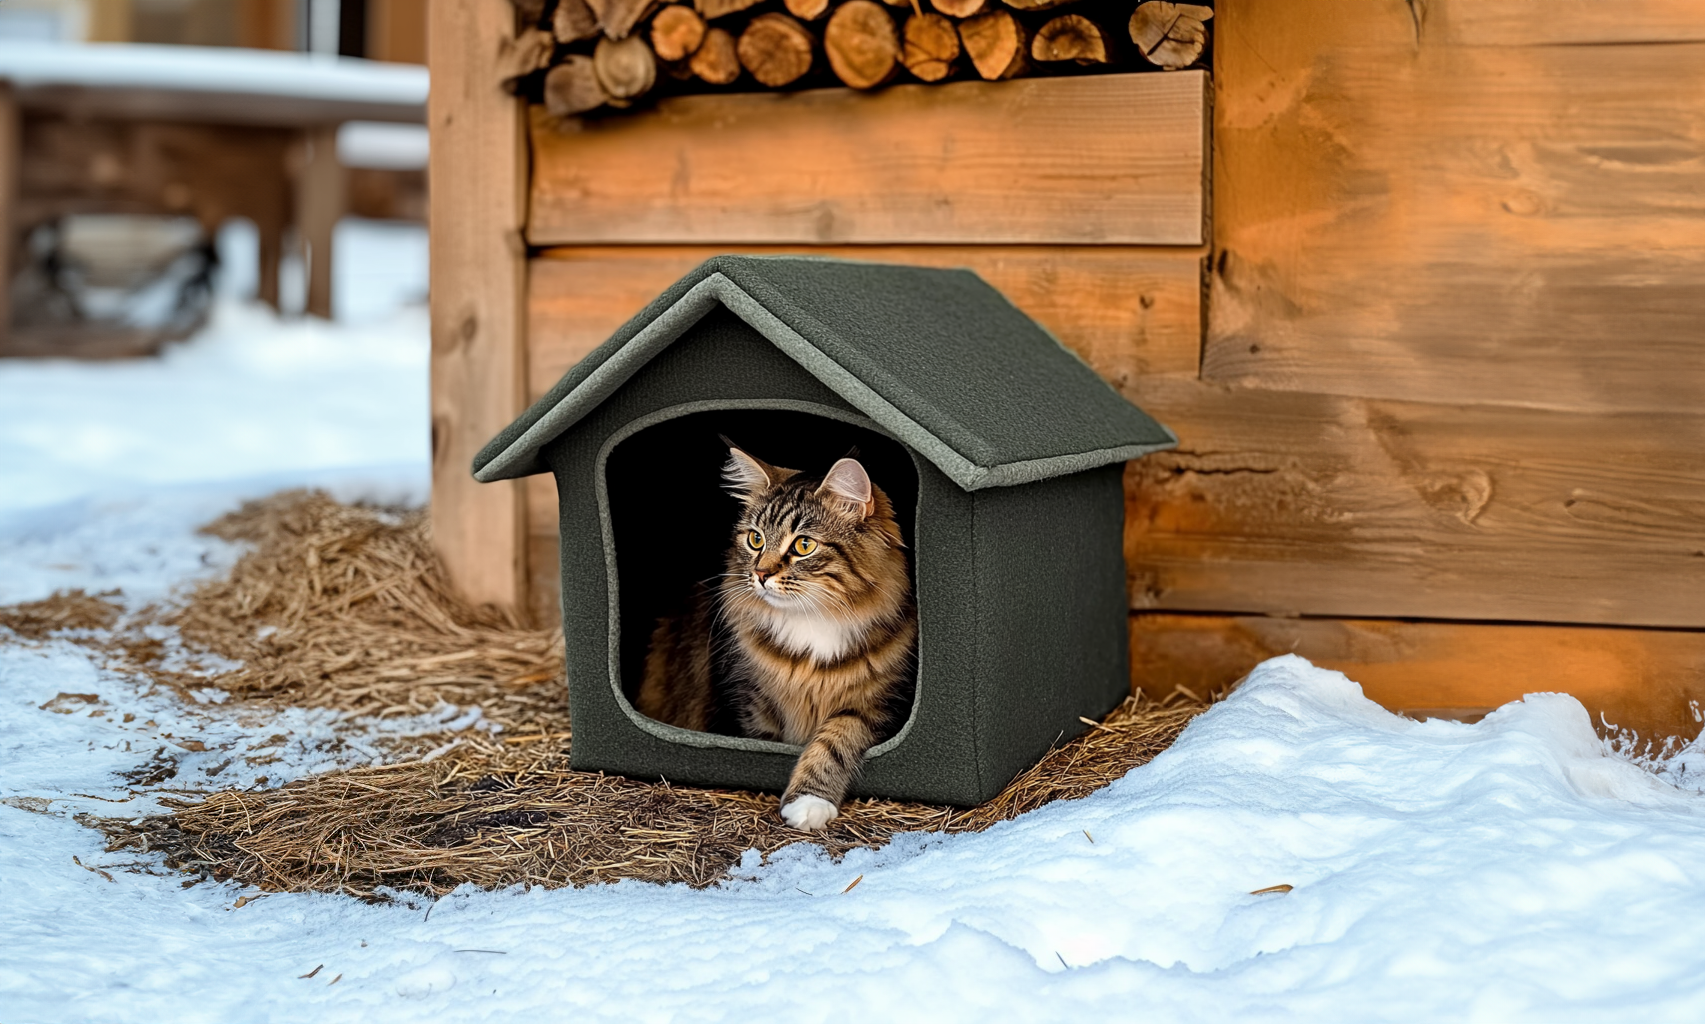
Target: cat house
[(1001, 451)]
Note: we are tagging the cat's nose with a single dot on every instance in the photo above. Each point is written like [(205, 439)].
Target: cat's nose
[(762, 574)]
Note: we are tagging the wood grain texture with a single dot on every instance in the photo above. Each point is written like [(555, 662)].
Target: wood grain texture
[(1298, 504), (1105, 159), (1562, 22), (1405, 217), (1129, 312), (321, 187), (1644, 680), (478, 168)]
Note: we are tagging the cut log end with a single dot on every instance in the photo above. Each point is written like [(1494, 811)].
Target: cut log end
[(1071, 37), (861, 44), (776, 49), (618, 17), (572, 89), (521, 56), (716, 61), (573, 21), (807, 10), (626, 68), (676, 32), (931, 47), (995, 42), (1170, 35), (1036, 5), (713, 9), (961, 8)]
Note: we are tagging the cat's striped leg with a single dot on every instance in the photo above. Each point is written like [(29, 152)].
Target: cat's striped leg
[(826, 768)]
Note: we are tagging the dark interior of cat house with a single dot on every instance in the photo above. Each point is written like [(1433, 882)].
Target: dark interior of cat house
[(672, 519)]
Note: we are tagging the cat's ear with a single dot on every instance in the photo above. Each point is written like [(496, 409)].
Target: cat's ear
[(848, 486), (745, 477)]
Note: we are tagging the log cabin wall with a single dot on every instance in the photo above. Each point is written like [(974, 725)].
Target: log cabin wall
[(1434, 369)]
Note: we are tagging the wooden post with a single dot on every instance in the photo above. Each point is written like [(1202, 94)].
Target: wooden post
[(478, 172), (319, 204), (11, 150)]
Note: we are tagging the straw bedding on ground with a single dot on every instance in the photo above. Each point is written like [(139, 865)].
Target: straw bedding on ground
[(345, 607)]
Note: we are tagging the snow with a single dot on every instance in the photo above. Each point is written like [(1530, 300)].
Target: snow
[(1506, 870), (397, 147), (212, 69)]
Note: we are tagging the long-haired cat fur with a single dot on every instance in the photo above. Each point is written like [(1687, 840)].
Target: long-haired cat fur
[(807, 639)]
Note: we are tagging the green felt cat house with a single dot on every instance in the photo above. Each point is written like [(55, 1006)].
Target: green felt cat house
[(1001, 451)]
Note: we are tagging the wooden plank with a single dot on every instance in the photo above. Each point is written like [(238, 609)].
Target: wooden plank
[(396, 31), (478, 168), (1510, 225), (1101, 160), (1297, 504), (1649, 681), (1127, 311), (320, 187), (544, 572), (11, 152), (1562, 22)]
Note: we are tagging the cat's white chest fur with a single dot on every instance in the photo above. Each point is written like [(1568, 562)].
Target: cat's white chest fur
[(803, 632)]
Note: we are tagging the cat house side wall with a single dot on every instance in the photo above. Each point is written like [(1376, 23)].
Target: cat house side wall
[(1054, 646)]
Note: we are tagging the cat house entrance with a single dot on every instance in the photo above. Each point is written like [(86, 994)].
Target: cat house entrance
[(672, 520)]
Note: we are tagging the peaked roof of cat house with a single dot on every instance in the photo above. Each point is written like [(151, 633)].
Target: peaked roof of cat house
[(937, 358)]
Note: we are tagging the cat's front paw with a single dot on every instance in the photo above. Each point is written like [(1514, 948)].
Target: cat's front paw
[(808, 812)]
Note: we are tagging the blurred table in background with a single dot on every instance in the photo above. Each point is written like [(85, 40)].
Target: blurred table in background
[(289, 141)]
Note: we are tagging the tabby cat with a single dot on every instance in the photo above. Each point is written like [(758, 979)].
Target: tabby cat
[(809, 636)]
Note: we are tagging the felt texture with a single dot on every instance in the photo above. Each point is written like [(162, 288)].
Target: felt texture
[(937, 357), (1020, 590)]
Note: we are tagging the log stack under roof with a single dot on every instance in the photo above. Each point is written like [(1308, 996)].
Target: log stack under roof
[(581, 57)]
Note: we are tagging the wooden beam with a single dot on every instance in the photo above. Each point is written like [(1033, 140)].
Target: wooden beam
[(1110, 159), (396, 31), (478, 173), (1403, 216), (320, 200), (1297, 504), (1650, 681), (1561, 22), (1128, 311)]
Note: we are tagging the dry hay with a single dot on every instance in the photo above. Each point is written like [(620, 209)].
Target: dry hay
[(365, 622), (66, 610), (346, 607)]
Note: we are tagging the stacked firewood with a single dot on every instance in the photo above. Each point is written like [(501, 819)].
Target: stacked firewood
[(581, 56)]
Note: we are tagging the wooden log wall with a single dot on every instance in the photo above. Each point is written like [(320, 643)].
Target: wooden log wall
[(1432, 368)]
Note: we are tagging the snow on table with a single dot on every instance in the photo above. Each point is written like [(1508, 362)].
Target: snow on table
[(261, 80), (1506, 870)]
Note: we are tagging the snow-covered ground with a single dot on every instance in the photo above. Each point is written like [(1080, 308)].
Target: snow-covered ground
[(1508, 870)]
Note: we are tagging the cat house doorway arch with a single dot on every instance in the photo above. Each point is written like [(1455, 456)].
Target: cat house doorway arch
[(754, 423)]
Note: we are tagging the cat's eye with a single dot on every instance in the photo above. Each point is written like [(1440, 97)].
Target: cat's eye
[(804, 546), (755, 539)]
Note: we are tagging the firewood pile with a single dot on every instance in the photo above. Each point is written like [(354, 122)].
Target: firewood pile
[(579, 57)]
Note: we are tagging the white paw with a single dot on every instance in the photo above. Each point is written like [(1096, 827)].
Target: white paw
[(808, 812)]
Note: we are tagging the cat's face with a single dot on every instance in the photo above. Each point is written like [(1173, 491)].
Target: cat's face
[(806, 544)]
